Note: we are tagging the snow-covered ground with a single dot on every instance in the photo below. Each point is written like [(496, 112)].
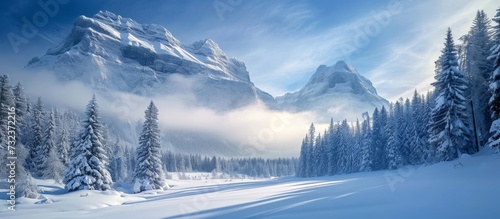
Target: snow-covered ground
[(465, 188)]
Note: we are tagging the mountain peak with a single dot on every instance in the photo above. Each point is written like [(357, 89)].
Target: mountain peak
[(111, 52), (106, 15), (342, 65), (207, 47), (334, 91)]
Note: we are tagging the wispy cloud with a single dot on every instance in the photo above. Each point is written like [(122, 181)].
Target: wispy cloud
[(283, 42), (276, 133), (408, 62), (287, 42)]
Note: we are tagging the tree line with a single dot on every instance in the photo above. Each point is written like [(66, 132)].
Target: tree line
[(459, 116), (79, 151)]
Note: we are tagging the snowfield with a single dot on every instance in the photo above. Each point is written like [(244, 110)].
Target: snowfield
[(465, 188)]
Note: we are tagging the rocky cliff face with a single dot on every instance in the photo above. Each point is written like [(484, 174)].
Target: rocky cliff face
[(110, 52)]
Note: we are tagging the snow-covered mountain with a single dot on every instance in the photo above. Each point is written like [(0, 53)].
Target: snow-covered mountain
[(338, 91), (110, 52)]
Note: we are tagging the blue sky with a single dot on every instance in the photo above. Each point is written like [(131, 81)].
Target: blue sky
[(282, 42)]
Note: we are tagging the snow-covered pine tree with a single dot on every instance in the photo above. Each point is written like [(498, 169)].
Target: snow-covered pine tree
[(118, 162), (58, 123), (188, 164), (71, 123), (87, 165), (345, 146), (173, 163), (6, 101), (399, 136), (318, 156), (358, 141), (63, 146), (35, 141), (130, 160), (53, 167), (301, 169), (20, 103), (494, 102), (379, 140), (430, 103), (310, 151), (366, 156), (477, 70), (149, 167), (106, 141), (450, 131), (322, 155), (393, 144), (332, 149), (409, 138), (43, 149), (420, 118), (25, 185), (62, 138), (381, 153)]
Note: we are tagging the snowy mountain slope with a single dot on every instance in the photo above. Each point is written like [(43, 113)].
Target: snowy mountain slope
[(338, 91), (464, 188), (110, 52)]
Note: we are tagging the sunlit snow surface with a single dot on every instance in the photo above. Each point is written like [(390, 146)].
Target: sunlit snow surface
[(466, 188)]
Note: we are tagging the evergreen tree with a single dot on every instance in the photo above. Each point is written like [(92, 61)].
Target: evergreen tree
[(332, 149), (403, 148), (475, 50), (149, 167), (358, 141), (449, 119), (63, 146), (430, 153), (321, 156), (317, 156), (420, 118), (35, 142), (408, 132), (346, 148), (310, 151), (172, 161), (21, 105), (25, 185), (494, 102), (118, 162), (6, 102), (393, 144), (130, 158), (87, 164), (366, 155), (51, 166), (301, 170), (379, 140)]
